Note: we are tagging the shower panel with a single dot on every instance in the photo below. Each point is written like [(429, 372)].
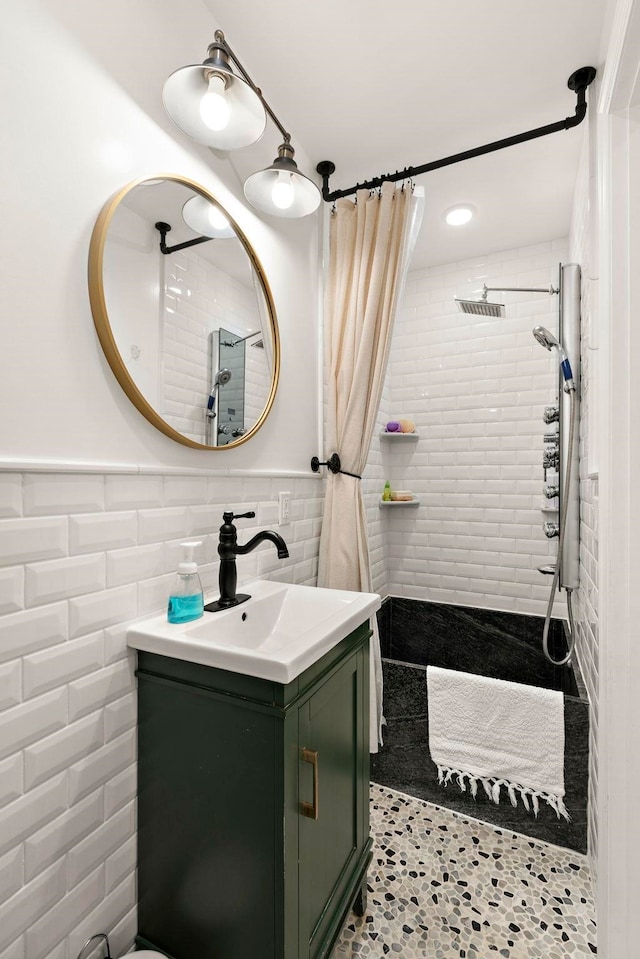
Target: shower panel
[(569, 336)]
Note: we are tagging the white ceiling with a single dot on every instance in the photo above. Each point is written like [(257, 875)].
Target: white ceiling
[(376, 86)]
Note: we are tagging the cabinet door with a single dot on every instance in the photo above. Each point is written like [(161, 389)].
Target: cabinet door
[(333, 727)]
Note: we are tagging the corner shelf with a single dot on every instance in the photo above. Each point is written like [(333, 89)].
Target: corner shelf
[(399, 437), (399, 503)]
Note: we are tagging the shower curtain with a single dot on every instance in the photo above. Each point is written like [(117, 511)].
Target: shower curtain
[(371, 242)]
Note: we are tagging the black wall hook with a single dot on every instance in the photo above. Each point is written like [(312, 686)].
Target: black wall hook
[(333, 463)]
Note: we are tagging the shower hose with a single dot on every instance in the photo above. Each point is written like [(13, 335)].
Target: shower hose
[(556, 576)]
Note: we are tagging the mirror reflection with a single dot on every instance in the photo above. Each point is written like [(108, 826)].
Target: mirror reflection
[(188, 326)]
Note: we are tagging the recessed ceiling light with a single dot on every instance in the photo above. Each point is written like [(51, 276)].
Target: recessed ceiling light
[(458, 215)]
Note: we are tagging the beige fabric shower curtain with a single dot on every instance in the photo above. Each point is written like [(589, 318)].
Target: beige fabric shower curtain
[(369, 251)]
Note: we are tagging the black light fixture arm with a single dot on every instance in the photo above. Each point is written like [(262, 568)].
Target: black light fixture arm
[(164, 228), (220, 43), (578, 82)]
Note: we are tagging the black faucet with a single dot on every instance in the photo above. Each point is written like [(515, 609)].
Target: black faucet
[(228, 549)]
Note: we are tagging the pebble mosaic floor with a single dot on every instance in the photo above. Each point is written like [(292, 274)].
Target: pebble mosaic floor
[(442, 885)]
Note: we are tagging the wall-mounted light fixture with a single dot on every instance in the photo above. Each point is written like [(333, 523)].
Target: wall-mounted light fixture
[(206, 219), (225, 110)]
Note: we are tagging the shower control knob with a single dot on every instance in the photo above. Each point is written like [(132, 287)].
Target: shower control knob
[(551, 458), (551, 414), (551, 530), (551, 491)]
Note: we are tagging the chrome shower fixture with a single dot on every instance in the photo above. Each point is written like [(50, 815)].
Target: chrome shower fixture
[(222, 377), (549, 341), (482, 307)]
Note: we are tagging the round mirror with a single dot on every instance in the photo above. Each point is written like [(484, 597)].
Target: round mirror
[(184, 312)]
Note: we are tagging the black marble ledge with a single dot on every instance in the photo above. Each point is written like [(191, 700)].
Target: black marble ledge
[(488, 642)]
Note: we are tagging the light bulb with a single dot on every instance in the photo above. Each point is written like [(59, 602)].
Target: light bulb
[(217, 219), (214, 109), (282, 192)]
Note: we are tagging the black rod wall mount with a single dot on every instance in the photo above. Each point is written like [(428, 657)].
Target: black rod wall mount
[(578, 82), (164, 228)]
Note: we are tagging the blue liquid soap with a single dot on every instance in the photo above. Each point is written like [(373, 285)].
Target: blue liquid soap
[(186, 600), (182, 609)]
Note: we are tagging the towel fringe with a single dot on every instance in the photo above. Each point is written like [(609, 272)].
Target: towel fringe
[(493, 786)]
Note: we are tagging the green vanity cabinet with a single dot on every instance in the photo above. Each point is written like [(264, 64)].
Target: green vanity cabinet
[(253, 806)]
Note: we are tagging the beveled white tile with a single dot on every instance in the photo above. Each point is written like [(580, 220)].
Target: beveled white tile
[(115, 912), (10, 494), (11, 871), (32, 720), (88, 613), (121, 863), (133, 492), (11, 589), (47, 493), (61, 664), (101, 766), (157, 525), (25, 632), (96, 532), (135, 563), (101, 687), (11, 779), (27, 813), (25, 540), (120, 716), (31, 902), (10, 684), (153, 594), (56, 752), (50, 843), (61, 578), (88, 854), (185, 490), (119, 790), (57, 923)]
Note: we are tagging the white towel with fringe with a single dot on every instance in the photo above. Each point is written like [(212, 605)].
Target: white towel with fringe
[(503, 735)]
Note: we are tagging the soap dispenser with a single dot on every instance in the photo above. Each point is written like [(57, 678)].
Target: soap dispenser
[(186, 601)]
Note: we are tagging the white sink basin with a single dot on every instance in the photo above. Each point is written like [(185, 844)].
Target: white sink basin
[(276, 635)]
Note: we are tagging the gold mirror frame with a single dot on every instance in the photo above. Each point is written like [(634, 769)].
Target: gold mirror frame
[(103, 326)]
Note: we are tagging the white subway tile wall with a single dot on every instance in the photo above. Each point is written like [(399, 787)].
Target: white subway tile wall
[(476, 388), (198, 299), (79, 557)]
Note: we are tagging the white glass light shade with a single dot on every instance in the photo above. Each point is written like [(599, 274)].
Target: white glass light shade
[(282, 190), (206, 219), (183, 96)]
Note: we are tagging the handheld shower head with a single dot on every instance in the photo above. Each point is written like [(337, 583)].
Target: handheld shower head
[(222, 377), (549, 341), (545, 338)]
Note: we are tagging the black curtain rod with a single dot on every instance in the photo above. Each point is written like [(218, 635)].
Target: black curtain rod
[(578, 82)]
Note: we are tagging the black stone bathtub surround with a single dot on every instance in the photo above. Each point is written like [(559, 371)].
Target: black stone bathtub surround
[(415, 634)]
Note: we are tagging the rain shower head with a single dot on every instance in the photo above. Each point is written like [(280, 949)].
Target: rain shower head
[(480, 307), (222, 377)]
